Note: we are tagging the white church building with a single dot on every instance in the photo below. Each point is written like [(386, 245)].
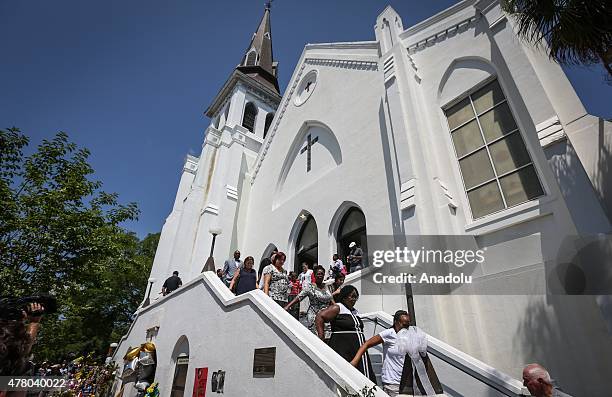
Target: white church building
[(450, 127)]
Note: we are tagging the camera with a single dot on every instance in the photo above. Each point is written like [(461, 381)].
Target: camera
[(12, 308)]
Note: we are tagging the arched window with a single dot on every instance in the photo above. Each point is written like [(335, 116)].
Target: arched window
[(250, 113), (307, 244), (352, 229), (181, 359), (251, 58), (496, 167), (269, 118)]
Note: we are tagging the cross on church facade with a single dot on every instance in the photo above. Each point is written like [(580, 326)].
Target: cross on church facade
[(309, 142)]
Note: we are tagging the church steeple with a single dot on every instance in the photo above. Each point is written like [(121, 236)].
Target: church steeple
[(258, 61)]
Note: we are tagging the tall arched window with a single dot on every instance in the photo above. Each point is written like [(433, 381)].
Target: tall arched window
[(352, 229), (496, 167), (269, 118), (181, 359), (250, 113), (251, 58), (307, 245)]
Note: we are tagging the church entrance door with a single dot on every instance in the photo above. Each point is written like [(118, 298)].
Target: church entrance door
[(352, 229), (307, 246)]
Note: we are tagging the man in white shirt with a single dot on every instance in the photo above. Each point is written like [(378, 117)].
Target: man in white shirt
[(306, 276), (337, 266)]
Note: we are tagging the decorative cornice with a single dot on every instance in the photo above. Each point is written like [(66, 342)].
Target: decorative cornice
[(442, 34), (235, 78), (436, 18), (213, 137), (191, 164), (340, 63), (343, 45)]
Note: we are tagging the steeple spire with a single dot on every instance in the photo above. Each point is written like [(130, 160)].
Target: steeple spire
[(258, 61)]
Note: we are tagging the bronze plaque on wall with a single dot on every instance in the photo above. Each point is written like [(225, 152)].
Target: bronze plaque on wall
[(264, 362)]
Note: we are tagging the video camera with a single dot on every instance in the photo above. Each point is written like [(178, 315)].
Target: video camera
[(12, 308)]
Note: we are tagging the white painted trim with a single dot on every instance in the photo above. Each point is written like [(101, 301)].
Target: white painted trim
[(550, 131), (191, 164), (343, 63), (407, 194), (342, 45), (436, 18), (292, 87), (441, 35), (231, 192), (512, 216), (211, 209), (498, 21)]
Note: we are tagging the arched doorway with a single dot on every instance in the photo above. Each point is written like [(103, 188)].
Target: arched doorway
[(352, 228), (307, 244), (181, 367)]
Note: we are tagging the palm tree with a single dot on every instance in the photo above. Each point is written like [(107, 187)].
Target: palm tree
[(573, 31)]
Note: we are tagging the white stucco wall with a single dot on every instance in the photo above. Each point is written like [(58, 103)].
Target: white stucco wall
[(223, 331), (384, 147)]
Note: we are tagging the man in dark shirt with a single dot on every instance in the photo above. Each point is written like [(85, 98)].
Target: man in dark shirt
[(172, 283), (355, 257)]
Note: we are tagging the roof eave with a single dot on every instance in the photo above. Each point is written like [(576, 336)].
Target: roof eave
[(230, 83)]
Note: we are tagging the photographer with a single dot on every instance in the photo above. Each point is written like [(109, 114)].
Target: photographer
[(19, 325)]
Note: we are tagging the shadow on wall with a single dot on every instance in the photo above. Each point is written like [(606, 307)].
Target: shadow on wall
[(565, 333), (553, 332)]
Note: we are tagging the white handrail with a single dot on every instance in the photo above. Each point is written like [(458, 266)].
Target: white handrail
[(462, 361), (341, 371)]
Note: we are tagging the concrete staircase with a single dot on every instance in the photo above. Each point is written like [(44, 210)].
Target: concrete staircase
[(223, 330)]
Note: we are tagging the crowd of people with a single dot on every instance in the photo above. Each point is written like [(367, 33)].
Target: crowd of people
[(83, 377), (332, 316)]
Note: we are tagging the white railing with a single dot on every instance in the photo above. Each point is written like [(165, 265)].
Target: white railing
[(465, 363), (347, 378)]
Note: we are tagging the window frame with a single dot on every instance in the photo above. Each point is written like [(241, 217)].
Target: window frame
[(244, 112), (519, 129)]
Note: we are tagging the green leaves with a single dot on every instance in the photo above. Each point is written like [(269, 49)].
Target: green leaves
[(575, 31), (60, 233)]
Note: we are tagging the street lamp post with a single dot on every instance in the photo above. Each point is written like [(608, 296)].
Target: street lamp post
[(209, 266), (147, 301), (109, 355)]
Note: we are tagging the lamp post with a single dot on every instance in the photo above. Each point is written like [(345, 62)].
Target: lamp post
[(147, 301), (209, 266), (109, 355)]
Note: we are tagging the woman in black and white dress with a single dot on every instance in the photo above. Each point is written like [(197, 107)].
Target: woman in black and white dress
[(347, 329), (318, 295)]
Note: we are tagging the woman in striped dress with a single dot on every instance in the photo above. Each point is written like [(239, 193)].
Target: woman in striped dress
[(347, 329)]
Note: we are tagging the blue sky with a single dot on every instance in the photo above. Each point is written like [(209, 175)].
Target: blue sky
[(130, 80)]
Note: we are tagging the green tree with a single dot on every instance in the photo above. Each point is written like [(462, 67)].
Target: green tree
[(61, 234), (575, 31)]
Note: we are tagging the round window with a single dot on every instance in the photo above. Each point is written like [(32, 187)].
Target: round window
[(306, 87)]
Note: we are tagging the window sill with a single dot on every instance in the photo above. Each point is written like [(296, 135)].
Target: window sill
[(510, 217)]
